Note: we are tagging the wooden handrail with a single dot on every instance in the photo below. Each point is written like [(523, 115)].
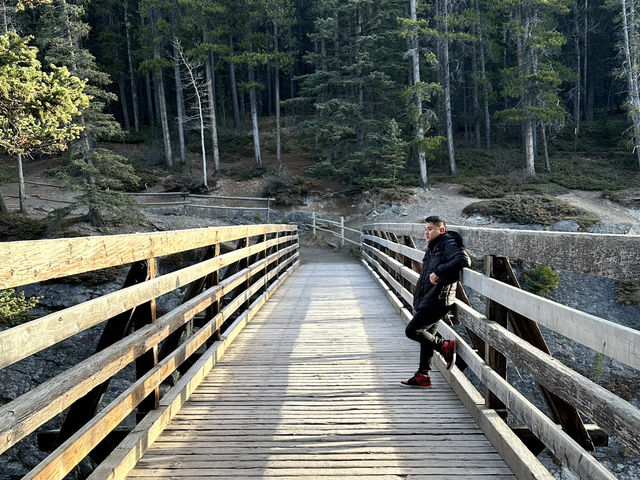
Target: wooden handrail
[(340, 234), (607, 255), (23, 340), (32, 261), (609, 338)]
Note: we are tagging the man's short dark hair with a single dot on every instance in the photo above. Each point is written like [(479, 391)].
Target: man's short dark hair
[(436, 220)]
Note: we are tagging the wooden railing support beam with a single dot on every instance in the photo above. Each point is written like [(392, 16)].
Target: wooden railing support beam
[(115, 329)]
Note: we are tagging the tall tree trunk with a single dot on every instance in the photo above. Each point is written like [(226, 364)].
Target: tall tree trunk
[(360, 89), (529, 145), (589, 113), (485, 90), (576, 105), (447, 87), (179, 98), (149, 91), (463, 94), (277, 91), (631, 69), (476, 100), (159, 80), (547, 163), (585, 53), (269, 90), (415, 59), (234, 92), (212, 114), (5, 18), (21, 190), (3, 206), (254, 116), (132, 71), (525, 100), (123, 102), (164, 120)]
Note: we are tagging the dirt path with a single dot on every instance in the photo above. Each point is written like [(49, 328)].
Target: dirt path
[(608, 211)]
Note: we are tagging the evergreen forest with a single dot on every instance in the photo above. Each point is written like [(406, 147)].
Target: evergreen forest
[(377, 94)]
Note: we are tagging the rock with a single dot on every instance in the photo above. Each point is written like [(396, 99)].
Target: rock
[(607, 228), (479, 220), (565, 226)]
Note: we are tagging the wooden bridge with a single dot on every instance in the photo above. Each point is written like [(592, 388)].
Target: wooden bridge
[(277, 366)]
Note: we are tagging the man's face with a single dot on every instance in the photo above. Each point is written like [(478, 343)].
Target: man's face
[(431, 232)]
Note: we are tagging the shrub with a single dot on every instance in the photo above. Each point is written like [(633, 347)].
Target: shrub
[(597, 370), (322, 169), (8, 174), (628, 293), (396, 194), (17, 226), (288, 191), (530, 209), (14, 309), (495, 187), (541, 279), (245, 172)]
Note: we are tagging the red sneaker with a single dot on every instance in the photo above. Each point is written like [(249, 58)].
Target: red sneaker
[(448, 351), (418, 380)]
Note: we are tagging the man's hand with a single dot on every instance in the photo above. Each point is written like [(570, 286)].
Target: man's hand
[(433, 278)]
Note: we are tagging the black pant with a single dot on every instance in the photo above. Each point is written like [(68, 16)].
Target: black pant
[(422, 329)]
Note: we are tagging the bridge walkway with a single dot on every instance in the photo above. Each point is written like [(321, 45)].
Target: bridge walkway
[(310, 389)]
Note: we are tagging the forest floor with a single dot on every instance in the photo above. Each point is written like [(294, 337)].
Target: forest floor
[(327, 198)]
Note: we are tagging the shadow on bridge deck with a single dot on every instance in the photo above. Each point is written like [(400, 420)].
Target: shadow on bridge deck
[(310, 389)]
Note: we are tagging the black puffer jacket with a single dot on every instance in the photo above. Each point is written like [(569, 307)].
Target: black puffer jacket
[(446, 257)]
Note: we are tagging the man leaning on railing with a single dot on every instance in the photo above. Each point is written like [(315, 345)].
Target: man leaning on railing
[(435, 292)]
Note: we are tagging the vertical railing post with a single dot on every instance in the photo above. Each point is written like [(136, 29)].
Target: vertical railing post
[(341, 232), (246, 263), (313, 222), (493, 357), (211, 311)]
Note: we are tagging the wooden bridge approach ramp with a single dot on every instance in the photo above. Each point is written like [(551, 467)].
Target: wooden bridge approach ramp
[(311, 389)]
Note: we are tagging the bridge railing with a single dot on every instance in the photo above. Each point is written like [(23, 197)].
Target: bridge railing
[(342, 234), (239, 269), (390, 252), (207, 205)]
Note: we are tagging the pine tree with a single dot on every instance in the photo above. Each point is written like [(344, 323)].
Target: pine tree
[(97, 173), (37, 109), (534, 84), (157, 36), (354, 93), (279, 13)]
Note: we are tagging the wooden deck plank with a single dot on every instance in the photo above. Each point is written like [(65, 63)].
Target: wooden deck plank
[(310, 389)]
